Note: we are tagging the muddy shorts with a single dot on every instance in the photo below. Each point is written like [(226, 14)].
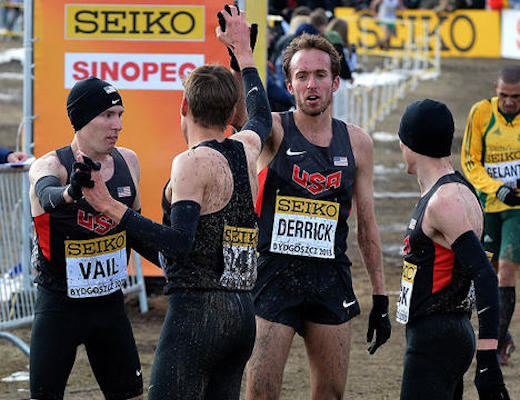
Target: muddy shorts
[(439, 350), (206, 339), (61, 324), (501, 233), (293, 290)]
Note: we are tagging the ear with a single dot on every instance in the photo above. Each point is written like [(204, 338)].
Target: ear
[(289, 87), (184, 106), (335, 84)]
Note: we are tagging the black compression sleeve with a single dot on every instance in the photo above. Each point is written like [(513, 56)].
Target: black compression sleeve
[(49, 191), (148, 252), (259, 117), (470, 253), (173, 241)]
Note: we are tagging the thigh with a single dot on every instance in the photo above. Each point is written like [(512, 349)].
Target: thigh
[(112, 352), (328, 349), (438, 353), (266, 365), (55, 336), (492, 233), (509, 243)]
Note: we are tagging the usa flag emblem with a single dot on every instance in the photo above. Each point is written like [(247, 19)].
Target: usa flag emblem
[(340, 161), (124, 191)]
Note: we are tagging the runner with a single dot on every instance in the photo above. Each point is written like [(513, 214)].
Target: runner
[(81, 255), (442, 255), (312, 167), (491, 161), (209, 252)]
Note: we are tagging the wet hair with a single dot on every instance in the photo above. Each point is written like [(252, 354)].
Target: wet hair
[(308, 42), (211, 92), (510, 74)]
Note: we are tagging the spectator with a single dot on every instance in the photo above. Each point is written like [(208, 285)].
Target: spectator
[(387, 19), (319, 20), (337, 42), (349, 50), (9, 156)]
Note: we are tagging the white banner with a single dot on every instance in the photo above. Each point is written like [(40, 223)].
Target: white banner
[(510, 34), (132, 70)]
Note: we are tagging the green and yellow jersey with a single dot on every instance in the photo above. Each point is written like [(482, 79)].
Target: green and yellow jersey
[(490, 154)]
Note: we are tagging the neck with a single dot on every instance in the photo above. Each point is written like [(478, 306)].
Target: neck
[(429, 170), (196, 134), (84, 148), (316, 128)]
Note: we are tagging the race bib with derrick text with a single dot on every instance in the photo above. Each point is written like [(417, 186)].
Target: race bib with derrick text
[(96, 267), (304, 227)]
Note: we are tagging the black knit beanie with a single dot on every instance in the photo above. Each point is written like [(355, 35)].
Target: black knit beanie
[(427, 128), (88, 98)]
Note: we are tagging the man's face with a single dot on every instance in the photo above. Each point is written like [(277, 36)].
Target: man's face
[(311, 81), (102, 132), (508, 97)]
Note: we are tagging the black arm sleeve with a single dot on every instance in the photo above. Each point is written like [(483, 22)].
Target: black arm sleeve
[(49, 191), (259, 117), (148, 252), (173, 241), (470, 253)]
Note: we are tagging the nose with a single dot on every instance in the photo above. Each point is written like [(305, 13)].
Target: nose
[(118, 123), (311, 82)]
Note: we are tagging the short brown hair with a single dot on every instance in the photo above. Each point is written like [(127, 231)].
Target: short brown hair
[(211, 92), (510, 74), (308, 42)]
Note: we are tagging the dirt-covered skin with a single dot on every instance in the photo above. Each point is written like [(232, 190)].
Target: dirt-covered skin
[(462, 83)]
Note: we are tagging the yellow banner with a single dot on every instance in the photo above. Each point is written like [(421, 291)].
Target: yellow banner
[(463, 33), (138, 22)]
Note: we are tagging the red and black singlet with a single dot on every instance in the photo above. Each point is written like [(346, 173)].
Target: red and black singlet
[(78, 232), (305, 195), (433, 281)]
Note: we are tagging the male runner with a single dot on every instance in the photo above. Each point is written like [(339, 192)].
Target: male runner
[(442, 255), (81, 255), (491, 161), (209, 250), (311, 170)]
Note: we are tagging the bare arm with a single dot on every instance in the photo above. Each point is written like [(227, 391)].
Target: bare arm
[(367, 232)]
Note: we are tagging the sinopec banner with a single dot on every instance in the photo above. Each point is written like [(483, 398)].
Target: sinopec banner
[(144, 48)]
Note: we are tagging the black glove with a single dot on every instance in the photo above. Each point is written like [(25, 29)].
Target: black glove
[(378, 321), (81, 177), (488, 377), (253, 33), (507, 195)]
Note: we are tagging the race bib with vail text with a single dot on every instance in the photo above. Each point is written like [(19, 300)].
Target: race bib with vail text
[(304, 227), (96, 267)]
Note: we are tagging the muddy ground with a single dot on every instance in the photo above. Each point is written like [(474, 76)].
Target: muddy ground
[(377, 377)]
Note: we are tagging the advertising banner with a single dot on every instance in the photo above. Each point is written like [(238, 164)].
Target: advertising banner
[(144, 48), (511, 34), (463, 33)]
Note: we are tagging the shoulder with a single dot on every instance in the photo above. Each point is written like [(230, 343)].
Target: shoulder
[(362, 143), (481, 108), (48, 164), (132, 161)]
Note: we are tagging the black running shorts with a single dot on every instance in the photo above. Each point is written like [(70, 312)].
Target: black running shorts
[(61, 324), (439, 350), (292, 290)]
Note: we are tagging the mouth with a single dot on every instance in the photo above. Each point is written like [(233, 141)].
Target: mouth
[(312, 99)]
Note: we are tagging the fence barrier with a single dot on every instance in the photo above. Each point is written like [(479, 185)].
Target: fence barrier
[(374, 95), (17, 291)]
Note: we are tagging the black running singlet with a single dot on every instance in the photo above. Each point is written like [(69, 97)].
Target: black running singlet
[(433, 281), (305, 195), (224, 252), (79, 250)]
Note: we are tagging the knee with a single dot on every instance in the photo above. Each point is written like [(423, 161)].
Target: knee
[(507, 273)]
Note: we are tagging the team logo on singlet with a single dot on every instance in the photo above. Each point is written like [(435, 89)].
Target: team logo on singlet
[(315, 182), (95, 267), (304, 227), (407, 279), (99, 223), (239, 249)]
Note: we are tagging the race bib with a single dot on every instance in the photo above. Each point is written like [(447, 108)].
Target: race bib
[(304, 227), (407, 278), (507, 172), (96, 267), (239, 248)]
